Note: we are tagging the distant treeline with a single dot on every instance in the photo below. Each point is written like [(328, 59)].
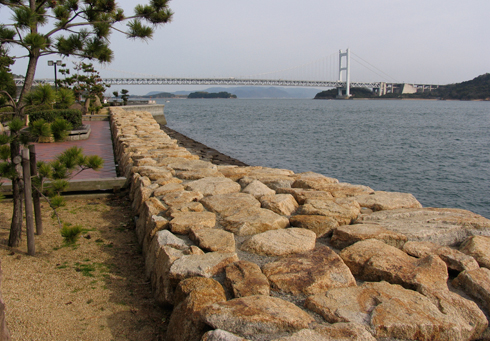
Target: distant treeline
[(475, 89), (355, 92), (204, 94), (159, 95)]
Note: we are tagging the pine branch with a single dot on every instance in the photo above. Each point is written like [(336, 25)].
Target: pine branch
[(50, 205)]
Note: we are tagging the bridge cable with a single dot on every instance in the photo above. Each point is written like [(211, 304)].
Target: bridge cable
[(288, 69), (394, 79)]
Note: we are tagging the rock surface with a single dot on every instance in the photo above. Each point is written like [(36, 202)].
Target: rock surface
[(280, 242), (302, 195), (338, 331), (230, 204), (258, 189), (253, 221), (343, 210), (373, 260), (475, 283), (254, 315), (309, 272), (349, 234), (183, 222), (443, 226), (380, 201), (479, 248), (180, 198), (221, 335), (321, 225), (390, 311), (161, 239), (193, 295), (454, 259), (163, 286), (213, 239), (213, 186), (246, 279), (283, 204), (206, 265)]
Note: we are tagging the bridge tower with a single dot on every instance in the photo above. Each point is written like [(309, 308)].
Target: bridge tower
[(345, 68)]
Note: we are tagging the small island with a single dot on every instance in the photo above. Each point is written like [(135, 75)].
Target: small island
[(204, 94)]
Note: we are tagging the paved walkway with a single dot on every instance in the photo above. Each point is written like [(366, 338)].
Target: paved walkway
[(99, 143)]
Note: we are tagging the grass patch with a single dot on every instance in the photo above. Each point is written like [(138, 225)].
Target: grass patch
[(62, 266), (103, 268), (71, 233), (85, 269)]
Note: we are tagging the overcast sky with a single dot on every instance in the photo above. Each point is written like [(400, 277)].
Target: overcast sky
[(420, 41)]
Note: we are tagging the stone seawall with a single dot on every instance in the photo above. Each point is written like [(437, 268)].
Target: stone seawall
[(256, 253)]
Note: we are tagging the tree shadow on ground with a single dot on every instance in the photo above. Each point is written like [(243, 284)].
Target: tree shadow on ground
[(127, 278)]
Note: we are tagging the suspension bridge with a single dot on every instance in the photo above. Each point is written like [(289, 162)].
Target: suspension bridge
[(335, 66)]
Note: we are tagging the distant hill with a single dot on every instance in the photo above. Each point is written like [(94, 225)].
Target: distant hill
[(163, 95), (355, 92), (204, 94), (254, 92), (267, 92), (475, 89), (156, 94)]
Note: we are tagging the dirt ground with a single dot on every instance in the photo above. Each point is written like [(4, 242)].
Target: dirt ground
[(94, 289)]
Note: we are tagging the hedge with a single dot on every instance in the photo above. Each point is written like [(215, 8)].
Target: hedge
[(74, 116)]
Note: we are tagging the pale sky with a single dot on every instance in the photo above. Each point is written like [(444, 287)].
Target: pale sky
[(419, 41)]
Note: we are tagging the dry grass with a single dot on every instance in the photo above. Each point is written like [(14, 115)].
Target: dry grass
[(94, 289)]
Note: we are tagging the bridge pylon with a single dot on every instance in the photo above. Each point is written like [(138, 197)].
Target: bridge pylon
[(345, 68)]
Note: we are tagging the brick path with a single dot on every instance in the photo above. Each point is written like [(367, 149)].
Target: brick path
[(99, 143)]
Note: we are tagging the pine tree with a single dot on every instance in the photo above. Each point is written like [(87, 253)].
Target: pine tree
[(74, 28), (78, 28)]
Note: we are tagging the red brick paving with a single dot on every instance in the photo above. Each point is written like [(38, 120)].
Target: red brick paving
[(99, 143)]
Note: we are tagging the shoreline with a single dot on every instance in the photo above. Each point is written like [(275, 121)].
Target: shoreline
[(295, 236), (204, 152)]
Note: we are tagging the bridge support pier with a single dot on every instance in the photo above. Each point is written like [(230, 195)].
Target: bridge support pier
[(345, 68)]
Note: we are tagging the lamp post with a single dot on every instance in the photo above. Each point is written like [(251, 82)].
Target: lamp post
[(53, 63)]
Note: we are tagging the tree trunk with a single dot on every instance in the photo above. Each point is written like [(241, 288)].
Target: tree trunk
[(30, 73), (36, 198), (31, 66), (31, 247), (16, 225)]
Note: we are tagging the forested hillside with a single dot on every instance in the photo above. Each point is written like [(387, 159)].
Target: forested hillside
[(475, 89)]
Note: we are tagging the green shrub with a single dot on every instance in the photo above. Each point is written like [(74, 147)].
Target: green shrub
[(64, 98), (73, 116), (71, 233), (60, 128), (42, 97), (40, 128)]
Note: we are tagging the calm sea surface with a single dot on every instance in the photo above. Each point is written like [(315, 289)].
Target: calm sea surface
[(437, 150)]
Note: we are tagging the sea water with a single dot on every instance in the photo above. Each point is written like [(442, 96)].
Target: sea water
[(437, 150)]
